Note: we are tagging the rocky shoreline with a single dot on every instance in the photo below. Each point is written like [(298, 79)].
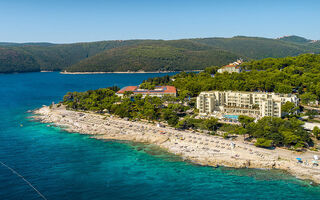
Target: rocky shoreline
[(197, 147)]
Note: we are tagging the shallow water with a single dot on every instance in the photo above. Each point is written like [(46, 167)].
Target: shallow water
[(73, 166)]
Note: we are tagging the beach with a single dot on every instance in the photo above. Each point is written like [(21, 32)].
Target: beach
[(196, 147)]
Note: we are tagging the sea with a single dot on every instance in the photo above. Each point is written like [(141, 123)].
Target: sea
[(42, 162)]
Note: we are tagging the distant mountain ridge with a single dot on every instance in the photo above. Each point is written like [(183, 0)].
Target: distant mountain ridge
[(147, 55), (257, 47), (295, 39), (26, 44)]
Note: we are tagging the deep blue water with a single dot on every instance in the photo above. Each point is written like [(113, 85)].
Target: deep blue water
[(73, 166)]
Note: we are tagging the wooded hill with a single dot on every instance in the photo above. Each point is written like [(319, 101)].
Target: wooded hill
[(52, 57), (147, 55), (154, 56)]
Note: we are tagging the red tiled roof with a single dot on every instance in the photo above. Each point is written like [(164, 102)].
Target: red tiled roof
[(170, 89), (164, 89), (128, 88), (229, 66)]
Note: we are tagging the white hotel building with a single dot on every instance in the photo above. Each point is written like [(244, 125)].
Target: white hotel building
[(254, 104)]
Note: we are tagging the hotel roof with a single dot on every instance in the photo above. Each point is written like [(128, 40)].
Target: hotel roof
[(231, 65), (158, 89)]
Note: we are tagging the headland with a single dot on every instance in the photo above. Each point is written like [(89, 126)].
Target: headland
[(192, 146)]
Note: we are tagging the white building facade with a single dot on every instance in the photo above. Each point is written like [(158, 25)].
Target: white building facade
[(254, 104), (231, 68)]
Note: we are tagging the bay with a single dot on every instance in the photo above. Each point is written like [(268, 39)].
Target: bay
[(73, 166)]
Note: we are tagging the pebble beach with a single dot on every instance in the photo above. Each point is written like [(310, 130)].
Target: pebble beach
[(196, 147)]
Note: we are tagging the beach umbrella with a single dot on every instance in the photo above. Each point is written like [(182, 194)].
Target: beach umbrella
[(299, 159)]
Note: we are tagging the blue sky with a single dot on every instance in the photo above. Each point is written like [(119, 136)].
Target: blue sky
[(66, 21)]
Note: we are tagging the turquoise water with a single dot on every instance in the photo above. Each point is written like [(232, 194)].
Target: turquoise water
[(231, 116), (73, 166)]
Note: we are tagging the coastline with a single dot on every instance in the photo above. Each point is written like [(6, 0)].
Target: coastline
[(128, 72), (196, 147)]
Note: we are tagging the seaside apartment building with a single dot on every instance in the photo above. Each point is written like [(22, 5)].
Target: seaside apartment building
[(254, 104), (159, 91), (232, 67)]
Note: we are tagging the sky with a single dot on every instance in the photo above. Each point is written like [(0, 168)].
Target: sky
[(66, 21)]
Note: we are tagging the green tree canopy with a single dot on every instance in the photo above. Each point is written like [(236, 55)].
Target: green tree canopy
[(289, 108), (316, 132), (262, 142), (308, 97), (245, 120)]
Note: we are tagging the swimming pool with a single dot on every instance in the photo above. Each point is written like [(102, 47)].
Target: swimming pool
[(231, 116)]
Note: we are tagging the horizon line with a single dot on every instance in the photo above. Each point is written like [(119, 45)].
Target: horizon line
[(54, 42)]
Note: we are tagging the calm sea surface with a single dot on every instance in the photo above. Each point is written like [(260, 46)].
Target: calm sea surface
[(72, 166)]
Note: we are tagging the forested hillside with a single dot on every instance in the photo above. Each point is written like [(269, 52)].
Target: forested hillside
[(300, 74), (295, 39), (148, 55), (15, 60), (259, 48), (48, 56), (153, 56)]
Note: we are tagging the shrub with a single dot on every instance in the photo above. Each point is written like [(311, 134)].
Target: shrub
[(225, 135), (262, 142)]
